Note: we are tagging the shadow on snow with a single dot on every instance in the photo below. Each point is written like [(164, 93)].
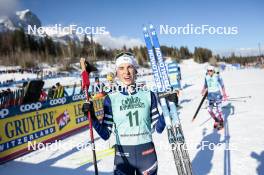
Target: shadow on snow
[(202, 162), (47, 167), (260, 159)]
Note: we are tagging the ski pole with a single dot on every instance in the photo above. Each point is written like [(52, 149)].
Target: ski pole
[(234, 98), (200, 105), (205, 121), (85, 86), (91, 133), (213, 107)]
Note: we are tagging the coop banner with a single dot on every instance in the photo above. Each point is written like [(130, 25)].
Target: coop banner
[(44, 125)]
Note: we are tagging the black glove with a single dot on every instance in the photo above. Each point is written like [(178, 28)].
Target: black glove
[(171, 96), (88, 107)]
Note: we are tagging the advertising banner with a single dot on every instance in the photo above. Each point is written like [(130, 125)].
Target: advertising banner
[(41, 122)]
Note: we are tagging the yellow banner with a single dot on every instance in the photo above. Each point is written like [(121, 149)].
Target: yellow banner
[(42, 126)]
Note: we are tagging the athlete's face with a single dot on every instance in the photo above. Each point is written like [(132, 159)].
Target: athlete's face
[(126, 74), (210, 72)]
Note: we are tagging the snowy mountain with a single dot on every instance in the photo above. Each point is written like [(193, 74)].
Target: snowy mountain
[(20, 19), (25, 18)]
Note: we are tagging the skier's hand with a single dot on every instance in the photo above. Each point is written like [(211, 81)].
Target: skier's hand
[(225, 97), (224, 94), (88, 107), (146, 173), (204, 92), (178, 93), (172, 96), (82, 63)]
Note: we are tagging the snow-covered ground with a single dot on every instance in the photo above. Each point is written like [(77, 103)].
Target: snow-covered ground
[(242, 133)]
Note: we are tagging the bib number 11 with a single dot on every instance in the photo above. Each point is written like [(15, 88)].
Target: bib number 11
[(131, 116)]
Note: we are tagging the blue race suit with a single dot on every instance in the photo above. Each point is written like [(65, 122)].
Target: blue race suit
[(214, 84)]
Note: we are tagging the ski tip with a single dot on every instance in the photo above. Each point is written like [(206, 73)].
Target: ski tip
[(144, 27)]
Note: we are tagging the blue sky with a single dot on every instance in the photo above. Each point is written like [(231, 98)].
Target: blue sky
[(125, 18)]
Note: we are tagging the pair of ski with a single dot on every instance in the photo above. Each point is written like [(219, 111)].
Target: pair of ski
[(169, 109)]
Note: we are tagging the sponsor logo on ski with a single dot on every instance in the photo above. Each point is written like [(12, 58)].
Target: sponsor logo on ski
[(32, 106), (78, 97), (58, 101), (3, 113), (164, 75), (154, 68)]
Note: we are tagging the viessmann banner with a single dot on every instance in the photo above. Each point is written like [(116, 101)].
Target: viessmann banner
[(43, 125)]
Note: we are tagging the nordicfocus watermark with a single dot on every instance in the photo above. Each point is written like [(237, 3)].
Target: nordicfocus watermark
[(60, 145), (202, 146), (71, 29), (191, 29), (132, 88), (159, 145)]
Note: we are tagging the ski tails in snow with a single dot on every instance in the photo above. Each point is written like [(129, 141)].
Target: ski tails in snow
[(169, 109)]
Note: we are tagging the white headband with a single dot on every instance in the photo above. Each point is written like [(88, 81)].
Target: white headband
[(211, 68), (126, 59)]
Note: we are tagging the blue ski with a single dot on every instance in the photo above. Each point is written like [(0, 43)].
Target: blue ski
[(169, 109)]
